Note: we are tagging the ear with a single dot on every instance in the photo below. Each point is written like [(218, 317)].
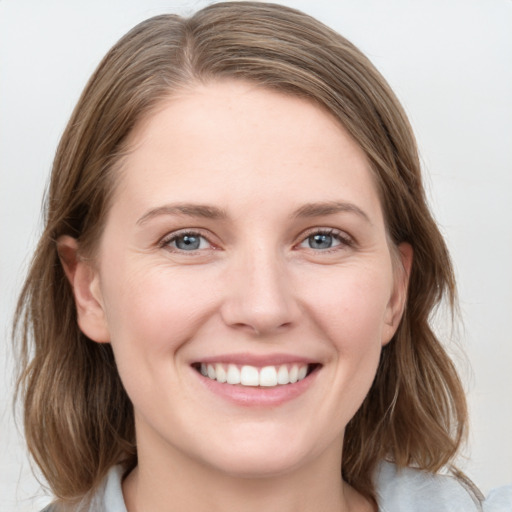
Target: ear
[(402, 264), (84, 281)]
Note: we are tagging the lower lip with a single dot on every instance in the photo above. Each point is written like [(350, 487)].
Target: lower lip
[(250, 396)]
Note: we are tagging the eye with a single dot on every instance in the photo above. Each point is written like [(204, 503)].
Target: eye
[(186, 242), (323, 240)]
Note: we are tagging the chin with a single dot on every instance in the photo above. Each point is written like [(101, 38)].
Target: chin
[(267, 456), (256, 466)]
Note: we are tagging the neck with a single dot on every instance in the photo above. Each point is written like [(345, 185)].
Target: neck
[(178, 483)]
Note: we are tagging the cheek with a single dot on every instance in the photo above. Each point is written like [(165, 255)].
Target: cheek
[(350, 305), (153, 310), (152, 313)]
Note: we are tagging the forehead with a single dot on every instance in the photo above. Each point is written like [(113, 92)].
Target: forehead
[(230, 139)]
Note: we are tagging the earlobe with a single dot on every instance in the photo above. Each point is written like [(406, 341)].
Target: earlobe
[(84, 281), (396, 306)]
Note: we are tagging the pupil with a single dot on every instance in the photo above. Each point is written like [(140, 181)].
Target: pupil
[(188, 242), (320, 241)]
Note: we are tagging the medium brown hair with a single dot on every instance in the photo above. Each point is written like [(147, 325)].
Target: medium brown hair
[(78, 419)]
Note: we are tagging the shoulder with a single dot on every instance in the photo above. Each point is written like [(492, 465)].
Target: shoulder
[(499, 500), (413, 490), (107, 498), (398, 490)]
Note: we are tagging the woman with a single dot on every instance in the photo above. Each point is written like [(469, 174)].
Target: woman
[(243, 269)]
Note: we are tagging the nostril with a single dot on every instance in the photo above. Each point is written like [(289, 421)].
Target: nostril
[(259, 328)]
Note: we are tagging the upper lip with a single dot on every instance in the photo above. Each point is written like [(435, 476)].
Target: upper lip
[(257, 360)]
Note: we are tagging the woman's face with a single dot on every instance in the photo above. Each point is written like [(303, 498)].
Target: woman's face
[(245, 239)]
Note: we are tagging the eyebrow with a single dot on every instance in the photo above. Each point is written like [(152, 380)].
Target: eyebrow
[(185, 209), (212, 212), (330, 208)]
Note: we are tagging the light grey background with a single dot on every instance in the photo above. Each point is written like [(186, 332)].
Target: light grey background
[(449, 61)]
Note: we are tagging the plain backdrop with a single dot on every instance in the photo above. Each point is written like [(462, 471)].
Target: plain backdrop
[(450, 63)]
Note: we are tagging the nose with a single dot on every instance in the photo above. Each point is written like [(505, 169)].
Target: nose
[(260, 298)]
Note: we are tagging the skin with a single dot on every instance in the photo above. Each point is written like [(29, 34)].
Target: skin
[(254, 286)]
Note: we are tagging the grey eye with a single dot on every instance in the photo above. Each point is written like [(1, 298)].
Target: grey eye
[(188, 242), (322, 241)]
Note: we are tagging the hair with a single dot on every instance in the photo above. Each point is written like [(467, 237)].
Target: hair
[(78, 418)]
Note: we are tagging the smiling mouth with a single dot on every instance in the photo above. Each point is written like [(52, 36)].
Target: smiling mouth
[(247, 375)]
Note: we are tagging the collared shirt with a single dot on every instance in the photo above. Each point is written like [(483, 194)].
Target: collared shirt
[(398, 490)]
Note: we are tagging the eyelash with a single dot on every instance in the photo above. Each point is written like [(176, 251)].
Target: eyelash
[(173, 237), (343, 239)]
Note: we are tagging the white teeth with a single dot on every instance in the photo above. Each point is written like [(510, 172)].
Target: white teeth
[(233, 376), (249, 376), (268, 376), (283, 377), (303, 370), (220, 373), (294, 374)]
